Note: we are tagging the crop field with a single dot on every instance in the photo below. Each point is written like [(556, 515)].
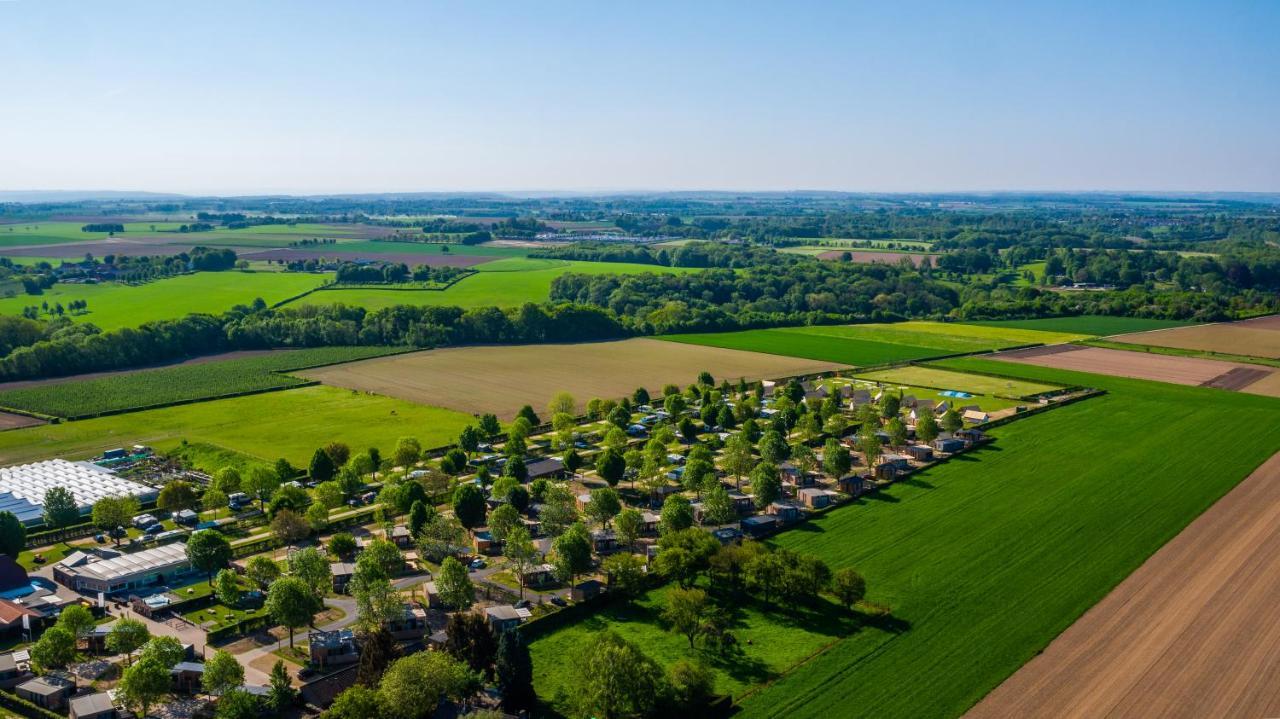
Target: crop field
[(1142, 365), (1190, 634), (113, 305), (945, 336), (772, 640), (502, 379), (505, 282), (985, 560), (165, 233), (963, 381), (290, 423), (148, 388), (797, 342), (1232, 339), (1086, 325), (884, 257)]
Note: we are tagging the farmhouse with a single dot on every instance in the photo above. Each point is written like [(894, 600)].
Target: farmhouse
[(127, 571), (22, 487)]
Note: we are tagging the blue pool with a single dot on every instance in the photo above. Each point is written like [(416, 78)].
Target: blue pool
[(36, 583), (955, 393)]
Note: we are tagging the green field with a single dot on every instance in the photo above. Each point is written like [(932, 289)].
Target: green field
[(503, 283), (1086, 325), (113, 305), (773, 639), (962, 381), (946, 336), (55, 233), (422, 248), (289, 423), (987, 559), (166, 385), (796, 342)]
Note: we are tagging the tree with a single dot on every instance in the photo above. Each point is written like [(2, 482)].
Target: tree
[(227, 480), (836, 461), (144, 684), (737, 457), (773, 448), (628, 525), (289, 527), (684, 611), (616, 679), (766, 572), (562, 403), (626, 574), (317, 517), (13, 536), (766, 485), (620, 418), (177, 496), (342, 544), (470, 639), (529, 415), (514, 670), (238, 704), (208, 551), (165, 651), (55, 649), (490, 426), (291, 603), (227, 588), (76, 619), (285, 470), (312, 567), (282, 691), (515, 468), (261, 483), (469, 505), (604, 505), (611, 465), (357, 702), (322, 468), (380, 557), (262, 570), (469, 440), (110, 513), (926, 427), (951, 421), (869, 443), (289, 497), (406, 452), (338, 452), (692, 685), (418, 517), (848, 586), (677, 514), (441, 536), (520, 553), (502, 520), (414, 685), (328, 495), (126, 637), (454, 461), (559, 510), (454, 585), (60, 508), (717, 506), (213, 500), (377, 602), (222, 673), (572, 552)]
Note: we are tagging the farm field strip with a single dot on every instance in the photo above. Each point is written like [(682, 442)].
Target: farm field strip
[(984, 561), (947, 336), (1236, 339), (502, 379), (1192, 633), (795, 342), (888, 257), (180, 383), (290, 423), (1137, 365), (1086, 325), (962, 381)]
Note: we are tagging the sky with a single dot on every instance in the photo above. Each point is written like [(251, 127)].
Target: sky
[(234, 97)]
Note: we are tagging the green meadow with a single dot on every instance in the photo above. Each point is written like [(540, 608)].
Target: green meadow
[(1087, 325)]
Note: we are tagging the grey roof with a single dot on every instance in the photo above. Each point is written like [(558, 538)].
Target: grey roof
[(46, 685), (502, 612), (91, 704), (7, 662), (188, 667), (162, 557), (547, 465)]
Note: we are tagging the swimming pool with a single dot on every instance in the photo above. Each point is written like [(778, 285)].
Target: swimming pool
[(36, 583), (956, 394)]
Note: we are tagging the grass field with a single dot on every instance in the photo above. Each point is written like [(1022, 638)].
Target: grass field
[(1086, 325), (946, 336), (505, 283), (113, 305), (797, 342), (946, 379), (772, 639), (988, 558), (148, 388), (501, 379), (289, 423)]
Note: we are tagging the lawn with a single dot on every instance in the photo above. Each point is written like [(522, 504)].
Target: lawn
[(984, 402), (504, 283), (166, 385), (1085, 325), (800, 342), (772, 640), (987, 558), (946, 379), (289, 423), (113, 305)]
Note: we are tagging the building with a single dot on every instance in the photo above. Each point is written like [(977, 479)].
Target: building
[(587, 590), (539, 575), (505, 617), (342, 572), (786, 512), (976, 416), (920, 452), (547, 467), (22, 487), (188, 677), (401, 537), (411, 626), (49, 691), (815, 498), (126, 572), (727, 535), (93, 706), (855, 485), (329, 649), (759, 525), (948, 445), (11, 673)]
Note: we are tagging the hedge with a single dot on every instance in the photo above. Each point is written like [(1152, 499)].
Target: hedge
[(9, 700)]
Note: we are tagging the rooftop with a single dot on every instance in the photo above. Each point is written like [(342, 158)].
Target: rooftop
[(126, 564), (22, 486)]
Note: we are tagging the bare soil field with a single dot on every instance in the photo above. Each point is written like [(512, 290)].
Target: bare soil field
[(1194, 632), (1238, 378), (409, 258), (1123, 363), (1269, 386), (99, 248), (502, 379), (867, 256), (1270, 322), (9, 420), (1256, 338)]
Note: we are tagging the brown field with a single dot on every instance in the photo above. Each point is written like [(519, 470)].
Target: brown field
[(1270, 322), (1194, 632), (867, 256), (1256, 338), (502, 379), (1269, 386), (9, 420), (409, 258), (100, 248), (1139, 365)]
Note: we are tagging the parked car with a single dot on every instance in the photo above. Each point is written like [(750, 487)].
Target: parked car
[(523, 604), (478, 564), (559, 602)]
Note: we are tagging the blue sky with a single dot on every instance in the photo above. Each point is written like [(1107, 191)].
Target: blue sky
[(239, 97)]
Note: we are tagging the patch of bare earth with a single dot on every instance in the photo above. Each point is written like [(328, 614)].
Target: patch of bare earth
[(409, 258), (9, 420), (1254, 338), (1123, 363), (1194, 632), (867, 256)]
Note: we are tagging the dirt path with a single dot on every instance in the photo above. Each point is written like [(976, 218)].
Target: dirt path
[(1194, 632)]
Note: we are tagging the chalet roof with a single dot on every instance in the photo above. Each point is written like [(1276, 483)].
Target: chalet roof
[(90, 704)]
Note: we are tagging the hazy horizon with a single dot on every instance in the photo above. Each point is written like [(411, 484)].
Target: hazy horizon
[(329, 98)]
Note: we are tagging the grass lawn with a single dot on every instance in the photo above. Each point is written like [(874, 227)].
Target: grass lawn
[(1085, 325), (289, 423), (51, 555), (987, 558), (504, 283), (984, 402), (946, 379), (772, 639), (797, 342), (113, 305)]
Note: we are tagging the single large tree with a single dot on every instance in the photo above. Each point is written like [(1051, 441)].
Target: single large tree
[(611, 466), (208, 552), (685, 611), (520, 553), (470, 639), (604, 506), (572, 552), (13, 536), (454, 585), (677, 514), (848, 586), (222, 673), (836, 461), (737, 457), (766, 484), (177, 496), (111, 513), (469, 505), (311, 566), (322, 468), (144, 684), (126, 637), (616, 679), (60, 508), (55, 649), (414, 685), (291, 603)]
